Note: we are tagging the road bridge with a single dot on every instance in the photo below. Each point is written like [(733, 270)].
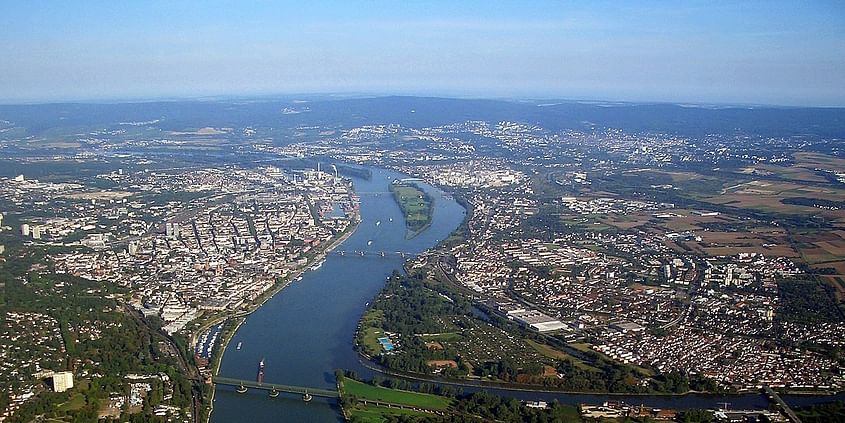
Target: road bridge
[(243, 385), (372, 193), (783, 405), (402, 254)]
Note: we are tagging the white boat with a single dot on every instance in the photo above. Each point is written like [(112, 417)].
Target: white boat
[(378, 223), (239, 345), (370, 242), (317, 266)]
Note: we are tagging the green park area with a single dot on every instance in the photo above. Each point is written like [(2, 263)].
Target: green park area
[(354, 394), (438, 404), (363, 391)]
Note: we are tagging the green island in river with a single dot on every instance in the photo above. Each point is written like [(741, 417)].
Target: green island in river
[(416, 205)]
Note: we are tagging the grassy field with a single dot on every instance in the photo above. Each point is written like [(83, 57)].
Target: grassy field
[(371, 414), (75, 402), (395, 396), (370, 332), (416, 206), (585, 347), (569, 413), (556, 354)]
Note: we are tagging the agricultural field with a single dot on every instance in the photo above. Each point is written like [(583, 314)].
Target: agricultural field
[(779, 197), (818, 161), (785, 172)]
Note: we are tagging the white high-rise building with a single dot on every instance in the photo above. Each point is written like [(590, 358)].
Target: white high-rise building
[(25, 229), (62, 381), (171, 230), (36, 232)]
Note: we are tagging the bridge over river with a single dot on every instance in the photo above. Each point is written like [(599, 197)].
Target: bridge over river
[(781, 404), (402, 254), (243, 385)]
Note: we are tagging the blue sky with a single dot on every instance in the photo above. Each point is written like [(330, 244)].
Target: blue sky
[(767, 52)]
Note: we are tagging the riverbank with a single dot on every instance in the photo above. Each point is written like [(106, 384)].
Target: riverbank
[(227, 337), (266, 296)]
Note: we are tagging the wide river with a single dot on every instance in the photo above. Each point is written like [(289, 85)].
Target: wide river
[(306, 331)]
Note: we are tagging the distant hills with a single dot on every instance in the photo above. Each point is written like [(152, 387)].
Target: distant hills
[(428, 111)]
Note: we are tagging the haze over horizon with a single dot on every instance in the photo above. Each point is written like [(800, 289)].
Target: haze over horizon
[(778, 52)]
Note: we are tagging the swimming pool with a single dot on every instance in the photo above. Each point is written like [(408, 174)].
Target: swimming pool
[(385, 342)]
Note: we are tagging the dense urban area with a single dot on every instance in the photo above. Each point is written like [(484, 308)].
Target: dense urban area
[(592, 259)]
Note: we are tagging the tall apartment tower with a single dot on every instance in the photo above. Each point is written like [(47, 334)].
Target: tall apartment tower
[(62, 381)]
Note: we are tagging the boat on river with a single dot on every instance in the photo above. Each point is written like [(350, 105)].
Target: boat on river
[(260, 378)]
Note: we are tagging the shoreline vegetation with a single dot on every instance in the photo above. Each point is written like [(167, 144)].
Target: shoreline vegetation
[(417, 207), (239, 317)]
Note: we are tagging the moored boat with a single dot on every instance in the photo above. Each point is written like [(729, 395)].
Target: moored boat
[(260, 377)]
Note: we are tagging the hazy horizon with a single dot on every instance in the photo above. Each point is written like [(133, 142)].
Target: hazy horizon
[(321, 96), (753, 53)]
